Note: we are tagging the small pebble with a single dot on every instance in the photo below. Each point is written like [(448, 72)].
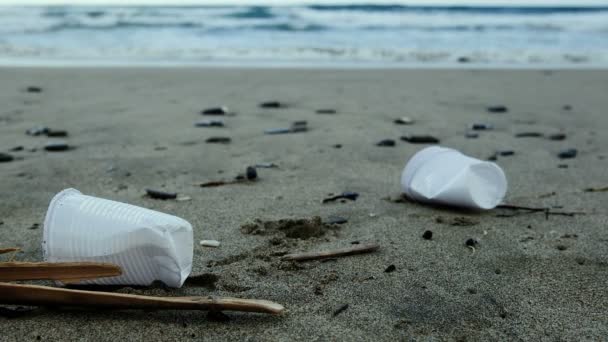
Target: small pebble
[(567, 107), (218, 140), (251, 173), (271, 104), (17, 148), (5, 158), (326, 111), (337, 146), (215, 111), (568, 154), (277, 131), (557, 136), (162, 195), (209, 123), (428, 235), (505, 153), (386, 143), (345, 195), (481, 127), (403, 121), (56, 147), (420, 139), (497, 109), (562, 166), (471, 135), (463, 59), (182, 198), (210, 243), (471, 242), (390, 268)]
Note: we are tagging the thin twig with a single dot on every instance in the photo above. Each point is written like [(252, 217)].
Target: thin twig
[(34, 295), (333, 253), (63, 271), (10, 249)]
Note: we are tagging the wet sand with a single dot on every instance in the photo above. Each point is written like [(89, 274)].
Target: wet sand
[(531, 277)]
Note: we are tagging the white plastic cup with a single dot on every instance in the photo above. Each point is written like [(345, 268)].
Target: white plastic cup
[(445, 176), (146, 244)]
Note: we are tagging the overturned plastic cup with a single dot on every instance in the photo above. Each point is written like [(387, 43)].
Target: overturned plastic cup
[(148, 245), (445, 176)]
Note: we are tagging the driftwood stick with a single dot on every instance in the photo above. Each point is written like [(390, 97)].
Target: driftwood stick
[(34, 295), (333, 253), (64, 271), (8, 250), (519, 207)]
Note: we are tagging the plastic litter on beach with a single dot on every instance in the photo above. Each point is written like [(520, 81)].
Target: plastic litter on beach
[(445, 176), (216, 111), (210, 243), (147, 245)]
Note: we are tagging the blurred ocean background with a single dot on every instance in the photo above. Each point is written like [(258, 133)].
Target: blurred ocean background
[(334, 35)]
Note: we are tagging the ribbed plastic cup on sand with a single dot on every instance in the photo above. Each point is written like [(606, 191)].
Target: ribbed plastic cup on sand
[(445, 176), (146, 244)]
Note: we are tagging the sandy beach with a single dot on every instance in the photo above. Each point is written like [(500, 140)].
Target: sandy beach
[(532, 277)]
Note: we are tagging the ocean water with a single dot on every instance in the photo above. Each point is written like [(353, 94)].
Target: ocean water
[(384, 35)]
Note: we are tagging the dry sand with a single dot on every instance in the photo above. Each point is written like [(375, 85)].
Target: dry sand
[(530, 278)]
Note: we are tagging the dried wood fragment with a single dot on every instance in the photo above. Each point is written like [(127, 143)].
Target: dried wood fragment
[(357, 249), (63, 271)]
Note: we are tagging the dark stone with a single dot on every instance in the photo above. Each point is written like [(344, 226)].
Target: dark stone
[(481, 127), (557, 136), (336, 220), (162, 195), (506, 153), (562, 166), (272, 104), (52, 133), (210, 123), (561, 247), (56, 147), (463, 59), (35, 226), (5, 158), (493, 157), (568, 154), (567, 107), (215, 111), (345, 195), (471, 135), (17, 148), (471, 242), (218, 140), (33, 89), (326, 111), (277, 131), (217, 316), (251, 173), (337, 146), (390, 268), (36, 131), (299, 126), (341, 309), (428, 235), (420, 139), (529, 135), (386, 142), (497, 109)]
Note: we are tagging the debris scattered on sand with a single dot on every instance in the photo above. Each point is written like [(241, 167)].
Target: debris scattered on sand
[(567, 154), (5, 157), (266, 166), (529, 135), (497, 109), (210, 243), (57, 146), (481, 127), (251, 173), (345, 195), (357, 249), (471, 242), (337, 146), (296, 127), (420, 139), (386, 143), (272, 104), (427, 235), (341, 309), (56, 133), (161, 195), (471, 135), (36, 131), (390, 268), (403, 121), (336, 220), (557, 136), (326, 111), (16, 148), (33, 89), (212, 184), (218, 140), (209, 123), (215, 111), (602, 189)]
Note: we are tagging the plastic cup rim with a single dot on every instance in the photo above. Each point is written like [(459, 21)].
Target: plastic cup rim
[(50, 214)]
